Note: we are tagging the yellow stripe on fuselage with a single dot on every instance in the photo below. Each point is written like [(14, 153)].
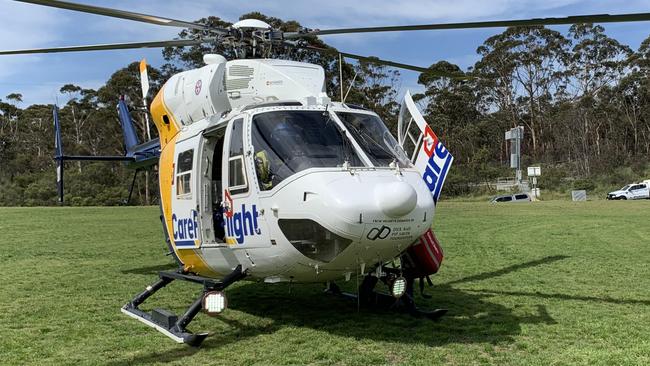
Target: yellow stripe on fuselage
[(168, 130)]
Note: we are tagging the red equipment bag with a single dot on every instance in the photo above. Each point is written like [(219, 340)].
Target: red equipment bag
[(424, 257)]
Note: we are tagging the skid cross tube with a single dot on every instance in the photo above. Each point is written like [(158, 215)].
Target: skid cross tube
[(168, 323)]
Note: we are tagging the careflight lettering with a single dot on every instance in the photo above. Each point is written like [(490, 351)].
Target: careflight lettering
[(437, 165), (242, 224), (185, 229)]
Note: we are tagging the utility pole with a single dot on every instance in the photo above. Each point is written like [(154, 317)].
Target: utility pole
[(515, 135)]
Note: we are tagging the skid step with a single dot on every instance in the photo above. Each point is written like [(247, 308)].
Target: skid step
[(192, 339), (172, 325)]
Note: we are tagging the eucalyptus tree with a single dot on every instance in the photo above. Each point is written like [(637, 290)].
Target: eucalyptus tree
[(596, 61), (521, 70)]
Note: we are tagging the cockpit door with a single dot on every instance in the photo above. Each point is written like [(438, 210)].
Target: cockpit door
[(243, 221), (423, 147)]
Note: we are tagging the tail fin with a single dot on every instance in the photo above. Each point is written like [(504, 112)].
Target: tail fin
[(130, 140), (58, 151), (130, 137)]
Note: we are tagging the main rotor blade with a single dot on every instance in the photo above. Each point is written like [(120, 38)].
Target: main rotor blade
[(110, 46), (594, 18), (376, 60), (115, 13)]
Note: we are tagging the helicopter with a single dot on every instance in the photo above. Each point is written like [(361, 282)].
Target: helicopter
[(263, 176)]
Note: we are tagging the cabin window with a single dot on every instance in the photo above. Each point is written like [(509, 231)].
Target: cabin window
[(237, 182), (184, 174)]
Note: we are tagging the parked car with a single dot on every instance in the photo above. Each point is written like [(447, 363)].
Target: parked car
[(518, 197), (631, 192)]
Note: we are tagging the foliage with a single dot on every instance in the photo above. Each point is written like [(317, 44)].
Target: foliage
[(583, 97)]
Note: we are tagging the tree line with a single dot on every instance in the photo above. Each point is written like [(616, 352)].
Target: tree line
[(582, 97)]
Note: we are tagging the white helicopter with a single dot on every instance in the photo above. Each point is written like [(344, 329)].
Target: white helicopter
[(263, 176)]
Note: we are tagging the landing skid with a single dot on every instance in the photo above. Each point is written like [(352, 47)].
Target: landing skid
[(370, 299), (167, 322)]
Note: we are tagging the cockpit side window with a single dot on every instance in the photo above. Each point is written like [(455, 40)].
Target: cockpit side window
[(289, 141), (237, 182)]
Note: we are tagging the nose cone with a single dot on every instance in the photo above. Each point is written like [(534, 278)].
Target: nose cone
[(396, 199)]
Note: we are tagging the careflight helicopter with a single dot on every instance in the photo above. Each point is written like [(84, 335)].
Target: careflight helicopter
[(263, 176)]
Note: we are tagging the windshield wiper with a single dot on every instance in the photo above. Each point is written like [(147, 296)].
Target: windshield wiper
[(346, 145)]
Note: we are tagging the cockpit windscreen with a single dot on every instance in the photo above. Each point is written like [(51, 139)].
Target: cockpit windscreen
[(287, 142), (375, 139)]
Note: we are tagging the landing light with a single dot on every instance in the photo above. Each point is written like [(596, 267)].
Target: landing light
[(399, 287), (214, 302)]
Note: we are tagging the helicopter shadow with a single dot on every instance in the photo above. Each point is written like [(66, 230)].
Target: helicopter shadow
[(150, 270), (472, 318)]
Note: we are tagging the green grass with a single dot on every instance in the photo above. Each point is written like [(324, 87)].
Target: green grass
[(525, 284)]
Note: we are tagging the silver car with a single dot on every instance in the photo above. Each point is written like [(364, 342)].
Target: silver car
[(518, 197)]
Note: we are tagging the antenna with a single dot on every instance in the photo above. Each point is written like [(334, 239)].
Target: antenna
[(341, 75), (350, 87)]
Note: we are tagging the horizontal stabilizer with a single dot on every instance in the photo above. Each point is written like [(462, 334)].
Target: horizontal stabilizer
[(137, 155), (144, 155)]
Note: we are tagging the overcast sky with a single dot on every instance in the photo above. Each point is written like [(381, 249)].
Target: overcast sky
[(38, 77)]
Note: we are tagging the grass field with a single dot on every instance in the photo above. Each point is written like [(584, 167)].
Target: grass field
[(539, 284)]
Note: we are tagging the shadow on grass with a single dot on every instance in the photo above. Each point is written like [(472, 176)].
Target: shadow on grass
[(608, 300), (513, 268), (150, 270), (470, 319)]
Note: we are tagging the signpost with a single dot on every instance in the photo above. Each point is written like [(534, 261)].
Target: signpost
[(534, 172)]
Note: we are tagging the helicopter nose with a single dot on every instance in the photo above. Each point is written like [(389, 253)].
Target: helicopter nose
[(396, 199)]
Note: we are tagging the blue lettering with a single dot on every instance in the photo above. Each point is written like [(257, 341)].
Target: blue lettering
[(195, 216), (238, 229), (186, 228), (432, 163), (434, 175), (255, 214), (248, 221), (174, 226), (430, 178), (181, 229), (441, 151), (190, 229), (242, 224), (229, 226)]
